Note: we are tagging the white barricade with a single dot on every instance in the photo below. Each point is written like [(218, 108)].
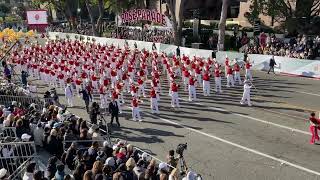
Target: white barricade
[(15, 155), (23, 100), (7, 132)]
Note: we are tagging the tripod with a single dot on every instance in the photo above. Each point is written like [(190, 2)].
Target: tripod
[(183, 165), (103, 125)]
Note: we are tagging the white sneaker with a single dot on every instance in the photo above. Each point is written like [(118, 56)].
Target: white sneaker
[(140, 120)]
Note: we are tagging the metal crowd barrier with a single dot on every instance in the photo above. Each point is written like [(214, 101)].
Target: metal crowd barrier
[(15, 155), (23, 100), (8, 132)]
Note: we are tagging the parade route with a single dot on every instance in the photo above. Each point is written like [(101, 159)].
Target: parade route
[(225, 139)]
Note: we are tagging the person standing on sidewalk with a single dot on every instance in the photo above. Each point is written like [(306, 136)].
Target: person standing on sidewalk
[(69, 95), (85, 97), (114, 111), (272, 63)]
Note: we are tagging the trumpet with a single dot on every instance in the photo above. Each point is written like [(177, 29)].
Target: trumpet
[(252, 85)]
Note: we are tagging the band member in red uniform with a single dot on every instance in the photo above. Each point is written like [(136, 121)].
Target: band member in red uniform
[(206, 83), (53, 79), (125, 80), (192, 89), (119, 87), (113, 74), (237, 77), (94, 80), (230, 80), (186, 76), (61, 80), (115, 96), (198, 72), (154, 101), (78, 83), (174, 95), (141, 87), (314, 126), (103, 96), (217, 79), (248, 70), (135, 109), (47, 75)]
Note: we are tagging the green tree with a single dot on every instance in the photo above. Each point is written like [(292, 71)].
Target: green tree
[(256, 8), (293, 15), (95, 23), (4, 11), (68, 8)]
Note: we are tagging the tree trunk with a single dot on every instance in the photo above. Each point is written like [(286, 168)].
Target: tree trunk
[(69, 14), (222, 25), (176, 11), (99, 21), (93, 25)]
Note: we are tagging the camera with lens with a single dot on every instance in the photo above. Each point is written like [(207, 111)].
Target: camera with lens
[(180, 149)]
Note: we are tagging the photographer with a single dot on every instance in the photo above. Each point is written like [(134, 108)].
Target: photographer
[(24, 78), (171, 160), (94, 111)]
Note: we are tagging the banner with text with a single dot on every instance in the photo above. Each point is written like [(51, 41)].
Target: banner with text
[(135, 15)]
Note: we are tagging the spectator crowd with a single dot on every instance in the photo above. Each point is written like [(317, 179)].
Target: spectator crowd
[(78, 149), (83, 28), (302, 46), (150, 35)]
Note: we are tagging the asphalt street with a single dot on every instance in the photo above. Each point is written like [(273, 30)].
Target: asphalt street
[(226, 140)]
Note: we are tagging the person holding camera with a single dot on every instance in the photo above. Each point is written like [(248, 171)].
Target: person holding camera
[(94, 112)]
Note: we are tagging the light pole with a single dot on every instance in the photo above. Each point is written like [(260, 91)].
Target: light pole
[(117, 18), (79, 11)]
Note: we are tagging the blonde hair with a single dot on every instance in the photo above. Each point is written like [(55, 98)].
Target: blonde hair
[(129, 147), (53, 132), (152, 162), (88, 175), (97, 167), (130, 164)]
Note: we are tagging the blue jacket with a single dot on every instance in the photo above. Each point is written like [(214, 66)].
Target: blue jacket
[(85, 95)]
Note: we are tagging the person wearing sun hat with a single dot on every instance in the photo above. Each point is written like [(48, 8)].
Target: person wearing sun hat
[(163, 170), (4, 174)]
